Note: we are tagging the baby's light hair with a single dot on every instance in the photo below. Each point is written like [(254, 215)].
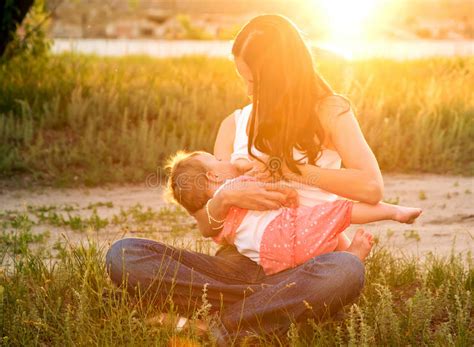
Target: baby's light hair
[(187, 180)]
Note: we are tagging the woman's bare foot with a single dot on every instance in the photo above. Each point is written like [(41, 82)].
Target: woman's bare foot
[(168, 319), (361, 244), (179, 323), (406, 215)]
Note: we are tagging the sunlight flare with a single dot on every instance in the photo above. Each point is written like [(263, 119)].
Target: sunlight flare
[(347, 19)]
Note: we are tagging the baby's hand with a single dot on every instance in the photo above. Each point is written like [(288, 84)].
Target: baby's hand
[(243, 165), (260, 171), (266, 172), (254, 168)]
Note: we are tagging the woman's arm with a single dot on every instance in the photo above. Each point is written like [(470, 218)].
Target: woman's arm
[(224, 144), (219, 209), (361, 179)]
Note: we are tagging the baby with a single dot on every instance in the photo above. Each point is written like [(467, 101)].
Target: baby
[(276, 239)]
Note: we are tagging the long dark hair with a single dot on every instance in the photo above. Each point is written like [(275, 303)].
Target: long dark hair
[(286, 92)]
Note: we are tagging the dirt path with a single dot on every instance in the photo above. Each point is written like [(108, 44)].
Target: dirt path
[(447, 223)]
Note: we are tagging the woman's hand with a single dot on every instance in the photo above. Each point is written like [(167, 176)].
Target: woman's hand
[(251, 195)]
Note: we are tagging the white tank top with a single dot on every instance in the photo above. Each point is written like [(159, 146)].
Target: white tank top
[(308, 195)]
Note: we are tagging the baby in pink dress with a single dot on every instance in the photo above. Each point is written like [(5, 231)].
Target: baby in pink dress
[(276, 239)]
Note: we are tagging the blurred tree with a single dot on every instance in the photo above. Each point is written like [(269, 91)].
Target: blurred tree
[(23, 27), (12, 13)]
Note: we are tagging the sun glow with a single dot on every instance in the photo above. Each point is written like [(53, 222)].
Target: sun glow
[(346, 25), (347, 19)]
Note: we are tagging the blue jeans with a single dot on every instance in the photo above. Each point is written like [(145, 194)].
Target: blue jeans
[(248, 301)]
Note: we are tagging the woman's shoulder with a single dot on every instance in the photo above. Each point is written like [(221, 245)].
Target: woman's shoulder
[(237, 116), (333, 104), (330, 107), (229, 120), (227, 126), (244, 112)]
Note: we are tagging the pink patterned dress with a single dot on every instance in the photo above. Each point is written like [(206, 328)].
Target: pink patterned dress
[(291, 236)]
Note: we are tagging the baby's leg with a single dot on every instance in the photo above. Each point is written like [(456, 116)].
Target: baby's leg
[(364, 213), (343, 242)]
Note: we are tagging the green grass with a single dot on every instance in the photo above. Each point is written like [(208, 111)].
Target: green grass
[(170, 218), (80, 119), (65, 298), (58, 293)]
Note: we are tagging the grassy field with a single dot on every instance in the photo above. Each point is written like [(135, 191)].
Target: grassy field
[(79, 119), (61, 295)]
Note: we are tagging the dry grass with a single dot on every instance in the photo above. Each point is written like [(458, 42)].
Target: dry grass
[(67, 119)]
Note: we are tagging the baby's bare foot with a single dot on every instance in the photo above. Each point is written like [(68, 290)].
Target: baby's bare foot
[(406, 215), (361, 244)]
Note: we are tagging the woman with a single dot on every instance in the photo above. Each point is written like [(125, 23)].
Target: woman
[(297, 118)]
